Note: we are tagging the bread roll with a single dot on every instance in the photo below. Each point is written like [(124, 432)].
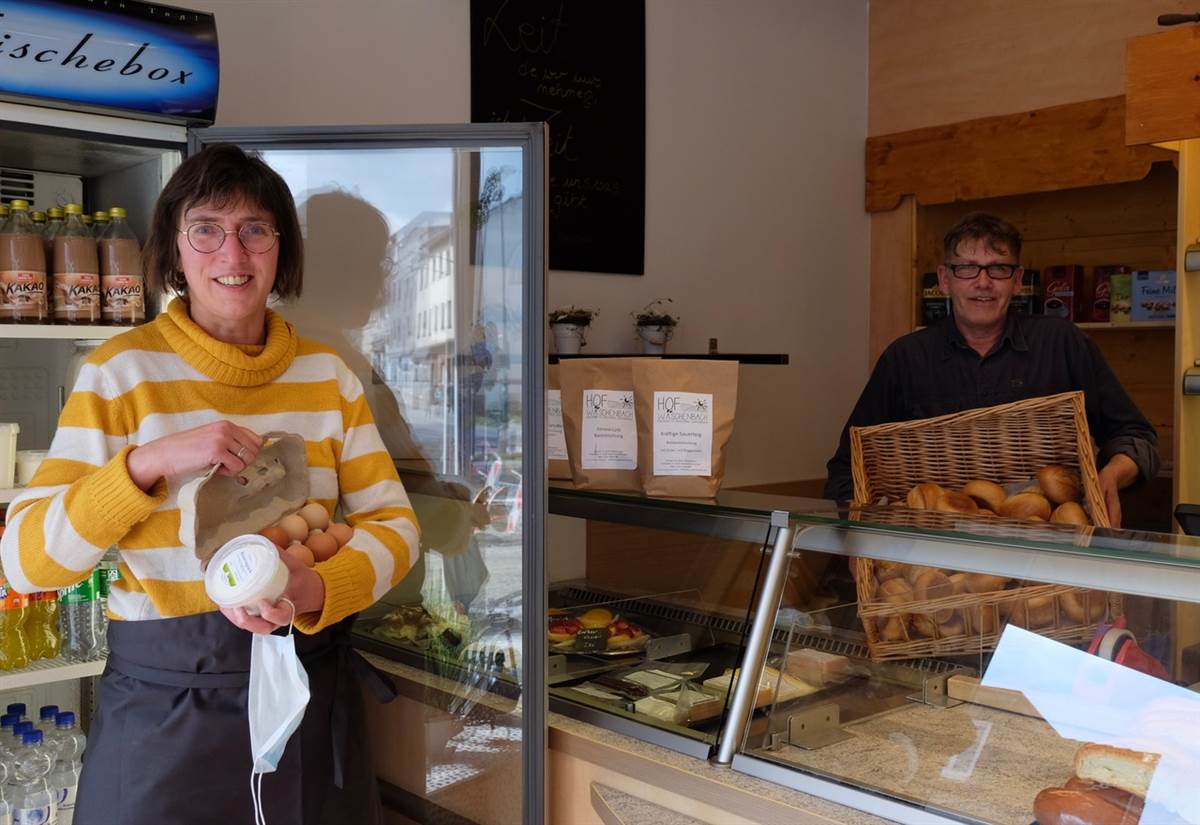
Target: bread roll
[(934, 584), (1122, 799), (923, 625), (952, 627), (891, 628), (894, 591), (1083, 606), (1069, 512), (951, 502), (1128, 770), (1059, 483), (958, 583), (982, 619), (924, 496), (986, 494), (984, 583), (885, 570), (1036, 612), (1025, 505), (1068, 806), (915, 572), (983, 511)]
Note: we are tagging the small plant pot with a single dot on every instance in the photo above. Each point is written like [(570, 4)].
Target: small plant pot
[(654, 338), (568, 338)]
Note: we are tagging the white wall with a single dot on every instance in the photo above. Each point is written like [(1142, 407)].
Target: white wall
[(755, 122)]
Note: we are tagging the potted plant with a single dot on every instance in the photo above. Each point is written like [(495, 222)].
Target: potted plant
[(568, 325), (655, 326)]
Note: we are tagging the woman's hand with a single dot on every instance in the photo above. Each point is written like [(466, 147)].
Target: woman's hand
[(221, 442), (305, 589)]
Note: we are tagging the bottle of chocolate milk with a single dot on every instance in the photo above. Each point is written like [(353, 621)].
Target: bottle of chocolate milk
[(87, 223), (54, 222), (22, 269), (99, 223), (76, 272), (122, 284)]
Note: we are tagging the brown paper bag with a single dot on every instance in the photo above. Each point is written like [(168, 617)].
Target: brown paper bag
[(599, 422), (559, 466), (685, 412), (214, 509)]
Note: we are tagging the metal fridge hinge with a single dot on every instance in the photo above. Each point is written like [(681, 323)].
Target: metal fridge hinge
[(816, 727), (935, 690), (664, 646)]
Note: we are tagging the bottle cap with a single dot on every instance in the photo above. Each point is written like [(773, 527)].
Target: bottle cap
[(22, 727), (48, 712), (38, 217), (33, 737), (87, 219), (16, 707), (73, 209), (101, 215), (116, 212), (66, 718), (245, 570), (17, 203), (8, 720), (55, 212)]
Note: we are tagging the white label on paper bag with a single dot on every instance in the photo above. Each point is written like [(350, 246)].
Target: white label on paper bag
[(556, 442), (609, 431), (683, 433)]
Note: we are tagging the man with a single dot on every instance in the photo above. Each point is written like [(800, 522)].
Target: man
[(983, 355)]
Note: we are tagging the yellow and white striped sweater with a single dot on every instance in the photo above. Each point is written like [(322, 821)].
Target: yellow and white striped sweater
[(168, 376)]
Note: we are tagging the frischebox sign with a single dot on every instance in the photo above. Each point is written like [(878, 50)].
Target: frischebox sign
[(118, 54)]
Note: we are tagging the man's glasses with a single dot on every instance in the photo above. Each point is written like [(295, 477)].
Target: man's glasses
[(209, 237), (967, 272)]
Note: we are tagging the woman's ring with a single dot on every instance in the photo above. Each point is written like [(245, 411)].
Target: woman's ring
[(241, 452)]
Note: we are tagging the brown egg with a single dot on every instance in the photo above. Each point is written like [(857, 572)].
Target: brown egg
[(301, 553), (294, 526), (341, 532), (314, 515), (323, 545), (276, 534)]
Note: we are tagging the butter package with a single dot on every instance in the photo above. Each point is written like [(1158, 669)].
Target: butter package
[(1153, 296), (214, 508)]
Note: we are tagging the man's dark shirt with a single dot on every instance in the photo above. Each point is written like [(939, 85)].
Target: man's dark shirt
[(933, 372)]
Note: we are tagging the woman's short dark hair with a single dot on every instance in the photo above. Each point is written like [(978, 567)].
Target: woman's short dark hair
[(222, 175), (997, 233)]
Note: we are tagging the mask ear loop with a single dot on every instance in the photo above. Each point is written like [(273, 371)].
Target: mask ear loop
[(292, 621)]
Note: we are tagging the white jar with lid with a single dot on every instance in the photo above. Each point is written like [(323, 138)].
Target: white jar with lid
[(244, 571)]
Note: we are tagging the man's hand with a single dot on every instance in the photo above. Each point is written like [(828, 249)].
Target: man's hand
[(1117, 474), (305, 589)]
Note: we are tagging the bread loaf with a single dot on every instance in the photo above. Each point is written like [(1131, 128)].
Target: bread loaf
[(1059, 483), (1070, 806), (1025, 505), (986, 494), (1125, 769)]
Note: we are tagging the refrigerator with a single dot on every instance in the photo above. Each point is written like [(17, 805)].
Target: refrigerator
[(425, 270)]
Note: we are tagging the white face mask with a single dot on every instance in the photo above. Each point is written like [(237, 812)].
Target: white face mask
[(278, 696)]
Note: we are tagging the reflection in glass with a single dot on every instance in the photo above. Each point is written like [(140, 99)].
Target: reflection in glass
[(414, 274)]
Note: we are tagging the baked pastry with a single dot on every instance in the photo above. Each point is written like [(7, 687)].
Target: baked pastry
[(1035, 612), (986, 494), (923, 625), (934, 584), (1085, 806), (924, 496), (597, 617), (622, 635), (891, 628), (1069, 512), (1083, 606), (984, 583), (1059, 483), (915, 571), (958, 583), (885, 570), (953, 502), (1025, 505), (982, 619), (894, 591), (952, 627), (1128, 770), (563, 629)]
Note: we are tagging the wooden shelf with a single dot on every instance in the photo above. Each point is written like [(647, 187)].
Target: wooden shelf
[(59, 332), (1130, 325), (770, 359), (46, 671)]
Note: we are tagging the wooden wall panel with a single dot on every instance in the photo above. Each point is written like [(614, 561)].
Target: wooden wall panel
[(945, 61), (893, 301), (1161, 72)]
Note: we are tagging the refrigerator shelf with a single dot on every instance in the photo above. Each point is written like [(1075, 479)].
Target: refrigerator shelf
[(45, 671), (60, 332)]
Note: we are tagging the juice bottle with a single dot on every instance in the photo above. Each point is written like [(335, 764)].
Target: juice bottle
[(13, 606), (41, 628)]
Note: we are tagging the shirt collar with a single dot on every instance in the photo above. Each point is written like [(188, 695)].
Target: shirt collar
[(1014, 335)]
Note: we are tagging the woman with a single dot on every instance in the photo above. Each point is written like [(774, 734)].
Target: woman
[(190, 390)]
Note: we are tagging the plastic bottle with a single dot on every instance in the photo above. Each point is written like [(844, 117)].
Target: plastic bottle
[(64, 779), (13, 606), (6, 770), (76, 271), (122, 281), (64, 784), (77, 619), (22, 269), (34, 804), (45, 606), (18, 709), (110, 572)]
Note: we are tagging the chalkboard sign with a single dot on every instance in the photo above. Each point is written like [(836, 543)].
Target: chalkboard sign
[(580, 66)]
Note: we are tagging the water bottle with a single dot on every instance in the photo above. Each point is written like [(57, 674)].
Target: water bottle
[(110, 571), (33, 803), (73, 739), (18, 709), (5, 808), (64, 784), (77, 617)]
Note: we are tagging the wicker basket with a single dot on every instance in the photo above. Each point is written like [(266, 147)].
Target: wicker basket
[(1005, 444)]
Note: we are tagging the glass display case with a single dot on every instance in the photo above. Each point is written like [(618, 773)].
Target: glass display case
[(1010, 672)]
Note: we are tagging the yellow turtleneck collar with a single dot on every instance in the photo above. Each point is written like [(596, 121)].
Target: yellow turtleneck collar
[(224, 363)]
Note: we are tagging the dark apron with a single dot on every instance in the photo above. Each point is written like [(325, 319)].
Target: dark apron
[(171, 741)]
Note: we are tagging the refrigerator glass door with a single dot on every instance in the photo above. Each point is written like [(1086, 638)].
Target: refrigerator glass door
[(423, 269)]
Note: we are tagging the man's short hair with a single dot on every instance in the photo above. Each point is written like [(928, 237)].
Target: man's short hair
[(998, 234)]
